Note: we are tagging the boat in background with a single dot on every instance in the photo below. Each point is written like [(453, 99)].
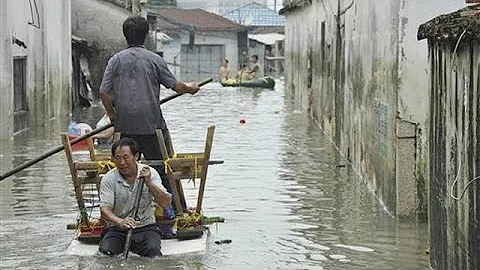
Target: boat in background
[(265, 82)]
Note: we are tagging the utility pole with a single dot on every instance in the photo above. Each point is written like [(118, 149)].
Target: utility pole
[(275, 5)]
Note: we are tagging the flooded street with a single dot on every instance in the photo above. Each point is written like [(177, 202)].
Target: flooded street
[(288, 199)]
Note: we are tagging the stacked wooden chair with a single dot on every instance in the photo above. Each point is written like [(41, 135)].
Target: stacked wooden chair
[(86, 174)]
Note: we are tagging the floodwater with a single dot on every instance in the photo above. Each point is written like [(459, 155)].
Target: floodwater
[(288, 200)]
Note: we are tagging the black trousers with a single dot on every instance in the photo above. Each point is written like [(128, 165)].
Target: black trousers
[(146, 241)]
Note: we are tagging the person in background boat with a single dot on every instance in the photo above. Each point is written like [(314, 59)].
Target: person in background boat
[(130, 92), (224, 71), (254, 71), (248, 74), (243, 75), (117, 202)]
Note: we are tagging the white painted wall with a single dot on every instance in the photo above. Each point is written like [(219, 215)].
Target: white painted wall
[(6, 74), (48, 53), (228, 39), (413, 68), (383, 65)]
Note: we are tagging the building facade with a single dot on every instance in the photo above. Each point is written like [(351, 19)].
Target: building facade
[(358, 70), (35, 69), (200, 42), (219, 7)]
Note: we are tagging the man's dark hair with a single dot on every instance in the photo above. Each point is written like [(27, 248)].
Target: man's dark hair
[(255, 56), (125, 142), (226, 60), (135, 29)]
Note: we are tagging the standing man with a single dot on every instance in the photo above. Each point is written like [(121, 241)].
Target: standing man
[(130, 91), (254, 72), (118, 189)]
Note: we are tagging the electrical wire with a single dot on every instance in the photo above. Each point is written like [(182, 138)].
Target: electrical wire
[(456, 46), (455, 182)]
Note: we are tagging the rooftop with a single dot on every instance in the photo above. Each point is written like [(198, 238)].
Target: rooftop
[(267, 39), (255, 14), (449, 27), (200, 20)]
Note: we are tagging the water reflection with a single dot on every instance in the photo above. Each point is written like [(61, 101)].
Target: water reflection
[(288, 200)]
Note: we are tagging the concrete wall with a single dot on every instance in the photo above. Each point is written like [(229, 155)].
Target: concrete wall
[(6, 74), (363, 78), (454, 214), (100, 23), (48, 58), (228, 39)]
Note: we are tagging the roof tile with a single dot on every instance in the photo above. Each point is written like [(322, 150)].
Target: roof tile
[(201, 20)]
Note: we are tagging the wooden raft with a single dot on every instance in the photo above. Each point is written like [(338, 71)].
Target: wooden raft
[(180, 166)]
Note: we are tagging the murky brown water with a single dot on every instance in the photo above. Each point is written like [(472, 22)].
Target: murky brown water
[(286, 202)]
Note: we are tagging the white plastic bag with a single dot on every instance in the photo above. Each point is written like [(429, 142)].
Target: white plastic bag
[(105, 120)]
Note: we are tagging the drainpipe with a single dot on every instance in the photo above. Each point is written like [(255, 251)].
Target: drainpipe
[(338, 96)]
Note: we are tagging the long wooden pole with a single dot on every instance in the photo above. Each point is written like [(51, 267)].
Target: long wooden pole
[(81, 138), (128, 239)]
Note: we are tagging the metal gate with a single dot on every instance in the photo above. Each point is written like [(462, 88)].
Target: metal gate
[(200, 61)]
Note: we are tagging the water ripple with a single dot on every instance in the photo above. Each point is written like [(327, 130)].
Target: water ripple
[(286, 202)]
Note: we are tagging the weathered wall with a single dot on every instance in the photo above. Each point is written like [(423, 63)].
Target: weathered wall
[(100, 23), (455, 150), (362, 78), (58, 52), (6, 74), (48, 57)]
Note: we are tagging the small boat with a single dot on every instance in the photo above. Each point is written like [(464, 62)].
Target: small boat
[(183, 232), (265, 82), (169, 247)]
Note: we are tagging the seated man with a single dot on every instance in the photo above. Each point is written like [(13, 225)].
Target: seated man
[(248, 74), (244, 74), (117, 203), (224, 71)]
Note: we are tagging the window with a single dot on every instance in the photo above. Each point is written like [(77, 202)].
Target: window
[(20, 110)]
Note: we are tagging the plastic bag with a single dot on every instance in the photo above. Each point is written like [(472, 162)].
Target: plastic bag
[(105, 120)]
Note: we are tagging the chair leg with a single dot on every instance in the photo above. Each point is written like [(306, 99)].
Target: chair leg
[(206, 159), (183, 201), (176, 196)]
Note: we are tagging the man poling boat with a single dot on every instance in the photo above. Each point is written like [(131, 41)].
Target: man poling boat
[(130, 91)]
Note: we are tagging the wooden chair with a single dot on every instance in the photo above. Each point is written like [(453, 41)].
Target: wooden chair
[(84, 175), (186, 166), (183, 166), (96, 155), (179, 166)]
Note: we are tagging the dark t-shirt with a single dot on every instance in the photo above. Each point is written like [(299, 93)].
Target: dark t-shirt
[(133, 77)]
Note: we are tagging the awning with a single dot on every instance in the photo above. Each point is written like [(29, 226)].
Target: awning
[(267, 39)]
